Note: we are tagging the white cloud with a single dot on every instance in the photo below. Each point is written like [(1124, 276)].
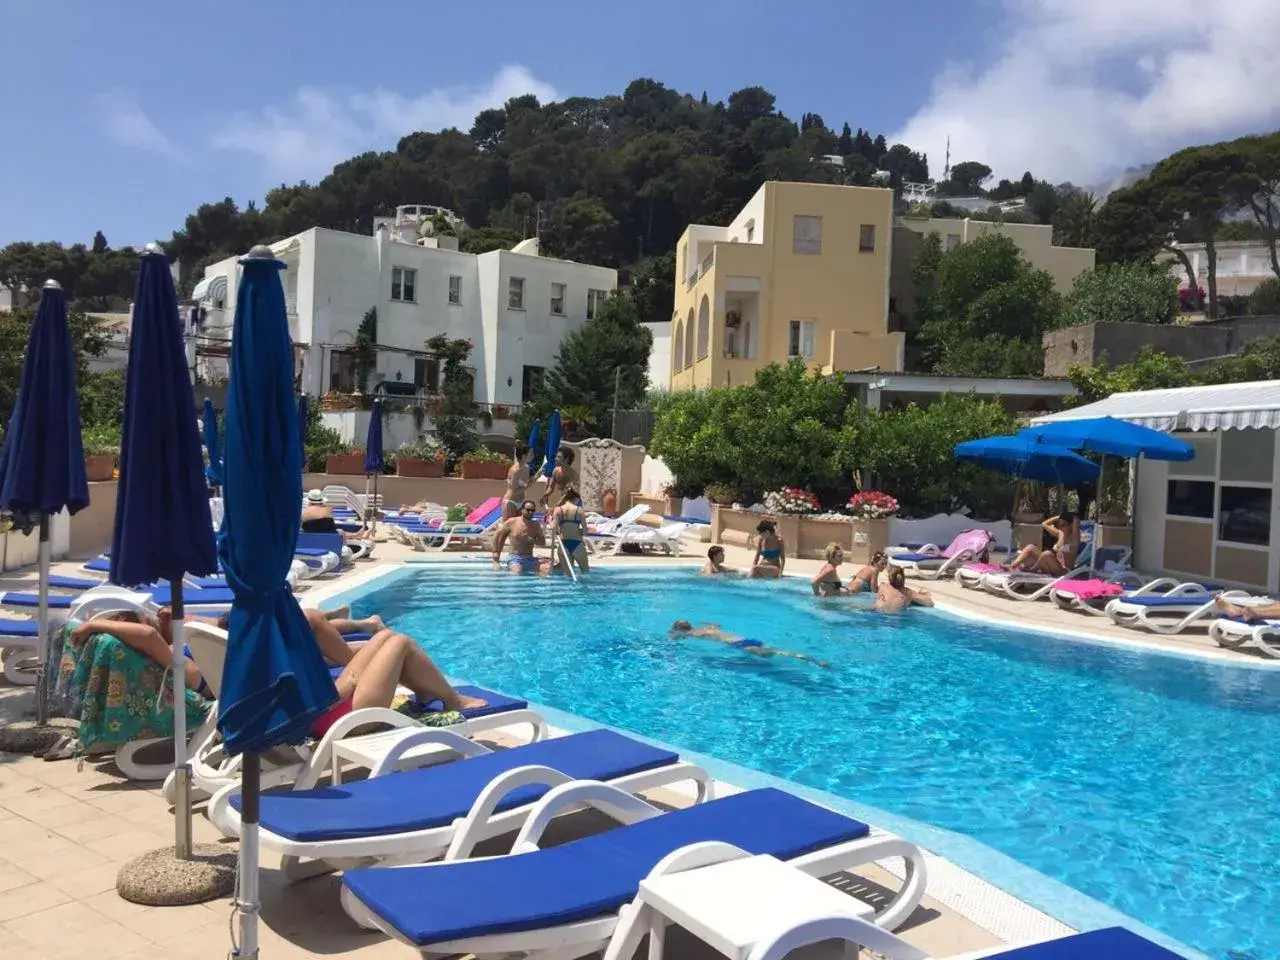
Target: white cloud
[(320, 128), (127, 123), (1079, 89)]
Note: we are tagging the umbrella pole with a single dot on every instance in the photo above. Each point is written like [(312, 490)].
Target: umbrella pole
[(181, 772), (1097, 520), (42, 627), (248, 903), (376, 511)]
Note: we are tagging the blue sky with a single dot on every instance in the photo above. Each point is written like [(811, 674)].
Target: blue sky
[(127, 123)]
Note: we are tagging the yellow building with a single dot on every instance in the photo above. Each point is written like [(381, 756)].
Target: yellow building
[(802, 271)]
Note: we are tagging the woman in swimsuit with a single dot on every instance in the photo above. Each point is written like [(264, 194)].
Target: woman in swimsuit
[(827, 583), (712, 631), (561, 479), (1059, 543), (895, 596), (517, 480), (523, 533), (771, 552), (567, 520), (868, 578)]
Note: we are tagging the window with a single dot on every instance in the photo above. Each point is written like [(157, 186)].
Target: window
[(530, 383), (1244, 514), (426, 374), (751, 230), (595, 300), (1190, 498), (867, 238), (800, 342), (455, 289), (342, 371), (515, 293), (403, 282), (557, 299), (806, 234), (953, 240)]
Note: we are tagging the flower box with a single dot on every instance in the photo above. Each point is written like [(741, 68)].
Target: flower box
[(345, 464), (484, 470), (409, 467), (99, 466), (805, 537)]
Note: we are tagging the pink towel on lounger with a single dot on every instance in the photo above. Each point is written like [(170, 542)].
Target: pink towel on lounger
[(984, 567), (1090, 589)]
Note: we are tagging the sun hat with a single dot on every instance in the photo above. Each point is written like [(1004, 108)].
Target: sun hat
[(315, 496)]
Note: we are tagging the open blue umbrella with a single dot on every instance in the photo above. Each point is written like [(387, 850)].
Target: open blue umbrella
[(553, 444), (212, 469), (1026, 459), (1108, 435), (373, 461), (535, 447), (162, 523), (42, 463), (274, 680)]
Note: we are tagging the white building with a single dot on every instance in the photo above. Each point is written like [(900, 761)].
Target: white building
[(1242, 265), (514, 305)]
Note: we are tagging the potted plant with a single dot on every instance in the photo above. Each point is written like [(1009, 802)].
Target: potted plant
[(484, 464), (333, 400), (347, 463), (101, 446), (501, 411), (423, 457), (720, 494), (871, 511)]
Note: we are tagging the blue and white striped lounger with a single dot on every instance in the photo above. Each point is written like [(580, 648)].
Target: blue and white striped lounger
[(571, 895)]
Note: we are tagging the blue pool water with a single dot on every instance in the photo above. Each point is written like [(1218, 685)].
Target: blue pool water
[(1150, 783)]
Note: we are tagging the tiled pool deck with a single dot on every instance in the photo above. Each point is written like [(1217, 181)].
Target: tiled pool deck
[(65, 832)]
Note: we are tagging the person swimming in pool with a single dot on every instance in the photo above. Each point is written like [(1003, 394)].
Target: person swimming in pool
[(712, 631), (868, 576), (827, 583), (894, 596), (523, 533), (714, 567), (568, 521)]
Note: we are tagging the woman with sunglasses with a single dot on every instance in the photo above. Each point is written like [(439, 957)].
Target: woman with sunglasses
[(523, 533)]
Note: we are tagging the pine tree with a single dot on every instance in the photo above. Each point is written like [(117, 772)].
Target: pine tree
[(845, 146)]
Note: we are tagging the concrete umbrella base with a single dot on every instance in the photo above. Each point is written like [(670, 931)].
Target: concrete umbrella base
[(160, 879)]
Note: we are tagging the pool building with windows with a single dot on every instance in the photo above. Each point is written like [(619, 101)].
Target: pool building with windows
[(1215, 516)]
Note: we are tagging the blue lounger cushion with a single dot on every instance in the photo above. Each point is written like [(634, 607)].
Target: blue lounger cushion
[(1109, 943), (436, 796), (99, 565), (162, 595), (72, 583), (585, 878), (1187, 602), (917, 557), (57, 601), (18, 628), (493, 702)]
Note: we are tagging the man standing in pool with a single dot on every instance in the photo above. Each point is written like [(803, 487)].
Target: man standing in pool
[(712, 631), (524, 533)]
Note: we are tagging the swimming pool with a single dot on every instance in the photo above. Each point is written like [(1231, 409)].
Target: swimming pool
[(1147, 782)]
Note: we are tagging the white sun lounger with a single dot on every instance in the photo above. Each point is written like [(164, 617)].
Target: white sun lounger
[(1022, 585), (1260, 635), (416, 815), (1161, 586), (1107, 943), (569, 900), (1170, 615), (303, 766), (666, 538)]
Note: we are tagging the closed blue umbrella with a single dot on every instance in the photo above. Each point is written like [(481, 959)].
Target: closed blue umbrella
[(302, 427), (212, 469), (553, 443), (42, 463), (373, 461), (274, 681), (535, 447), (1108, 435), (162, 523), (1026, 459)]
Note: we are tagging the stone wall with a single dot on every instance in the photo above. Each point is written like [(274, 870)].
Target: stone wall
[(1086, 343)]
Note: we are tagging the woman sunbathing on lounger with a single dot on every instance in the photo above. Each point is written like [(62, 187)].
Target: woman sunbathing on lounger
[(1260, 611), (1056, 555), (895, 596), (712, 631)]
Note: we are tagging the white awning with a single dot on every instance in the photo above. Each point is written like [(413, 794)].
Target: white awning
[(211, 289), (1231, 406)]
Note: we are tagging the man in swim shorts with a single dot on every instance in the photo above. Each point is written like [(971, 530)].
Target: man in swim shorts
[(712, 631), (523, 533)]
